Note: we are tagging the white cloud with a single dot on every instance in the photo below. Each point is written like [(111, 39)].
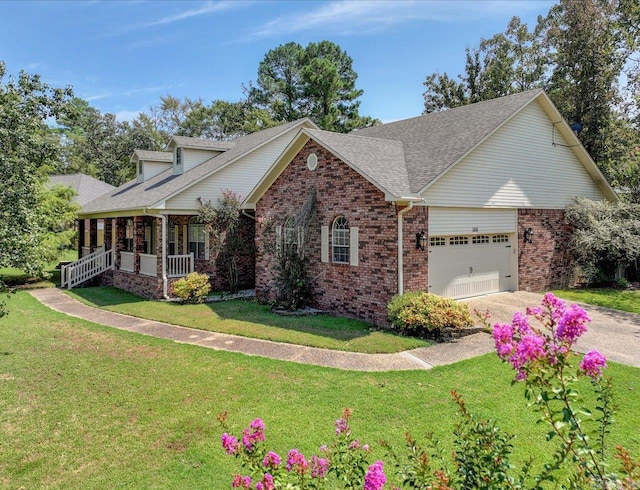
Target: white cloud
[(353, 17), (207, 8), (91, 98)]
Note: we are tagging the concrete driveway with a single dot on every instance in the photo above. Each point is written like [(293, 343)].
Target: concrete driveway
[(615, 334)]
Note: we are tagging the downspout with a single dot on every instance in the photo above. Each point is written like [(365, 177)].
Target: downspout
[(401, 248), (165, 285)]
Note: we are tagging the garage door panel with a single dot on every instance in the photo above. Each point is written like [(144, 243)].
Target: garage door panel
[(459, 271)]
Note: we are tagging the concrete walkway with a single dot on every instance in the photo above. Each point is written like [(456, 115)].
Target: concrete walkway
[(422, 358), (616, 334)]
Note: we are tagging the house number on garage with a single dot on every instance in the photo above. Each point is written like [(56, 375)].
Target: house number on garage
[(474, 229)]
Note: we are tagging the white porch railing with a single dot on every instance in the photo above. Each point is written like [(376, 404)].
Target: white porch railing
[(179, 265), (149, 265), (85, 268), (126, 261)]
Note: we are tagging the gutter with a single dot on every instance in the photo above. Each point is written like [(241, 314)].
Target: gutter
[(400, 247), (165, 286)]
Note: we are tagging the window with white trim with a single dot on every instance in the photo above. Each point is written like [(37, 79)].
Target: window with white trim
[(437, 241), (480, 239), (459, 240), (197, 238), (127, 242), (340, 240), (290, 236), (178, 157), (500, 238), (172, 237)]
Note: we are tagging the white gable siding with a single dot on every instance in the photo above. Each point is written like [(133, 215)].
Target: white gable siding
[(517, 167), (462, 221), (241, 176), (151, 169), (192, 158)]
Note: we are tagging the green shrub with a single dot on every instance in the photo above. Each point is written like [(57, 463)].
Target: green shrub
[(418, 313), (193, 288)]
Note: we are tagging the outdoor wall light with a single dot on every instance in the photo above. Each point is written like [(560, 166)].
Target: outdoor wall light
[(528, 235), (420, 239)]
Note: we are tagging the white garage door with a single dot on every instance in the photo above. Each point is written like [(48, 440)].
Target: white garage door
[(462, 266), (471, 251)]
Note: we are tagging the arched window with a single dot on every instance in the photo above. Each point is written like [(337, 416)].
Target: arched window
[(290, 236), (340, 240), (197, 238), (128, 236)]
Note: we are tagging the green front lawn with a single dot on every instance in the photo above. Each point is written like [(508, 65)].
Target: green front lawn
[(85, 406), (624, 300), (17, 278), (251, 319)]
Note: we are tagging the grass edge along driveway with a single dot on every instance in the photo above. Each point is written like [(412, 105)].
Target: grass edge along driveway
[(251, 319)]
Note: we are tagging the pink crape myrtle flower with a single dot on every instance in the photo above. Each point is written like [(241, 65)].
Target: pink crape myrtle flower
[(319, 467), (593, 363), (241, 482), (271, 460), (296, 462), (342, 427), (266, 483), (375, 477), (503, 337), (229, 443), (556, 305), (253, 434), (571, 324)]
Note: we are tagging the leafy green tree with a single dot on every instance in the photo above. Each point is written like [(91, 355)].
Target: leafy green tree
[(97, 144), (504, 64), (28, 151), (59, 212), (588, 58), (317, 81), (606, 238)]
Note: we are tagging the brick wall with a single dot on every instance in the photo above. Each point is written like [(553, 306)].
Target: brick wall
[(415, 260), (145, 286), (546, 263), (360, 291)]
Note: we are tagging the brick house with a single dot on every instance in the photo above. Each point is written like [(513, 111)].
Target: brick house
[(152, 234), (463, 202)]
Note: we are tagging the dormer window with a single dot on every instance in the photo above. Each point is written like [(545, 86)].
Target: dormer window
[(177, 167), (140, 176)]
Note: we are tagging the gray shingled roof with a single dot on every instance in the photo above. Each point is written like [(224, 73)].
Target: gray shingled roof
[(190, 142), (434, 142), (134, 195), (154, 156), (86, 187), (379, 160)]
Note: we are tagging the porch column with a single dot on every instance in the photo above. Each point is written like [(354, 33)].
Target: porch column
[(80, 236), (160, 232), (138, 241), (119, 234), (108, 233), (93, 234)]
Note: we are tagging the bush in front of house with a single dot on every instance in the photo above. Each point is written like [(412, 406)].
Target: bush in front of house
[(420, 313), (193, 288)]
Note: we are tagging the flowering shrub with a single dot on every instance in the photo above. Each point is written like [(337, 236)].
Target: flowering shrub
[(193, 288), (418, 312), (345, 459), (537, 344)]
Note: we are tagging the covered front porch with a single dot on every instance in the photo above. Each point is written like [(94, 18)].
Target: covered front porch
[(146, 253)]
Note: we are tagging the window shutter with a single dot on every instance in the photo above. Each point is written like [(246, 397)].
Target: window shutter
[(324, 244), (353, 245), (206, 245)]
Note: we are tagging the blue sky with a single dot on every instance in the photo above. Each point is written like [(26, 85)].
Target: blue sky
[(122, 56)]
